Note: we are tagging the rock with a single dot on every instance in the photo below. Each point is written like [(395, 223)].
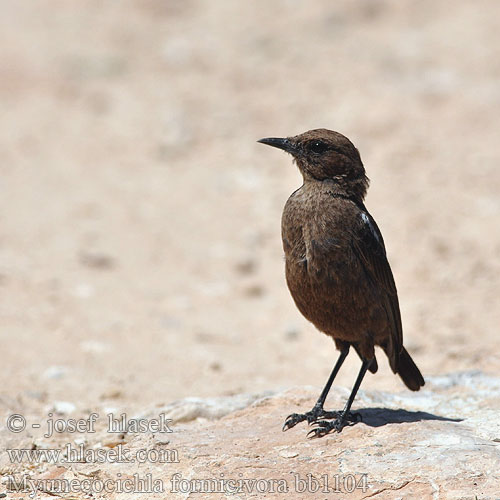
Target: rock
[(84, 291), (254, 290), (292, 333), (189, 409), (288, 454), (96, 260), (441, 442), (64, 407), (246, 266), (55, 372), (93, 347)]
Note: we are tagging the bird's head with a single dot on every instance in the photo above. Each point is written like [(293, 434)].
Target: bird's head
[(322, 155)]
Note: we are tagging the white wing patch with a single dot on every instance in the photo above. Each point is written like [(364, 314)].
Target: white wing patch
[(368, 222)]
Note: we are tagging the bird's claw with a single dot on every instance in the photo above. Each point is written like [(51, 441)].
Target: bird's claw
[(318, 416), (324, 427), (293, 419), (312, 417)]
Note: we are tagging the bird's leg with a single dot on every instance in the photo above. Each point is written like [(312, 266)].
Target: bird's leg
[(323, 427), (317, 412)]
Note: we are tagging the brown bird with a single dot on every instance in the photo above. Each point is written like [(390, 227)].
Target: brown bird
[(336, 266)]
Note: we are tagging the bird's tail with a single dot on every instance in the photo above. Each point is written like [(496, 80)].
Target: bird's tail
[(408, 371)]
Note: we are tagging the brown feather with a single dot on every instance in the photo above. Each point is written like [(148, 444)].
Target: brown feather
[(335, 259)]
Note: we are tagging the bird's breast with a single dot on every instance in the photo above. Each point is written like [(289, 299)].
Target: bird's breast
[(324, 276)]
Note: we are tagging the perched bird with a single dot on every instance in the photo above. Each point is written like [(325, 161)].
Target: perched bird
[(336, 266)]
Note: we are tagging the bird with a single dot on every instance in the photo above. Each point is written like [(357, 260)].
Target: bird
[(336, 267)]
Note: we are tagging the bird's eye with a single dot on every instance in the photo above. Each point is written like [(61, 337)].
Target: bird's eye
[(318, 146)]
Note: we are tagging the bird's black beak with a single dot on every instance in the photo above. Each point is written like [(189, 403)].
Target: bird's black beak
[(277, 142)]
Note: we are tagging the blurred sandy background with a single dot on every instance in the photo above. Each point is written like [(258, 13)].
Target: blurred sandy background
[(140, 251)]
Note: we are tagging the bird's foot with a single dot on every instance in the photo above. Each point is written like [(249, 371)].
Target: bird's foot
[(317, 413), (324, 427)]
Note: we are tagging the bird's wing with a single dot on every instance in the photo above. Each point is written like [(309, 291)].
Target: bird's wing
[(369, 247)]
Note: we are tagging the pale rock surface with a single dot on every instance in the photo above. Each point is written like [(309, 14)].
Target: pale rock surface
[(440, 443)]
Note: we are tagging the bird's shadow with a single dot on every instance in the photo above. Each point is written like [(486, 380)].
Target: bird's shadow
[(377, 417)]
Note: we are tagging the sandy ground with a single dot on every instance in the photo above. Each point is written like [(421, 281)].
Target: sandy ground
[(140, 252)]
